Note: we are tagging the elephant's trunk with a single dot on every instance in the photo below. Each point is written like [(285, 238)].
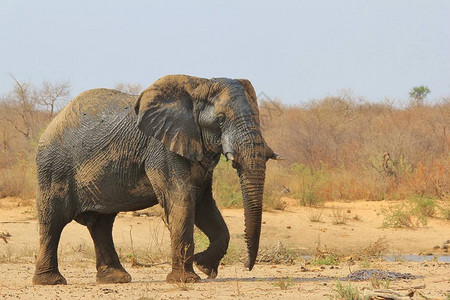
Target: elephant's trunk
[(251, 153), (252, 185)]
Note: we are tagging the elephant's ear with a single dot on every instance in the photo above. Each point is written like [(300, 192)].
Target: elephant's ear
[(166, 113), (251, 96)]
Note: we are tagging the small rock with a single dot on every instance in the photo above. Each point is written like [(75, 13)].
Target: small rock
[(288, 227), (436, 247), (411, 292)]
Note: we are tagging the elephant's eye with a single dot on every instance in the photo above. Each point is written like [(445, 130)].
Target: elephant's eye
[(221, 118)]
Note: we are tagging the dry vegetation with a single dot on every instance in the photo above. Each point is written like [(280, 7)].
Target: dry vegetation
[(343, 148), (336, 148), (24, 113)]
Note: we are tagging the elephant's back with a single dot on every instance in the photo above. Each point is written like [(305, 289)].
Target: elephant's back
[(95, 147), (87, 109)]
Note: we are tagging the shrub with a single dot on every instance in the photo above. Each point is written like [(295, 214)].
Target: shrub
[(19, 179), (345, 292), (445, 211), (328, 259), (315, 215), (339, 216), (274, 200), (403, 215), (425, 206), (284, 283), (311, 185)]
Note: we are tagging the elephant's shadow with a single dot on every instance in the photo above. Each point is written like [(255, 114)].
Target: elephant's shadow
[(254, 279), (271, 279)]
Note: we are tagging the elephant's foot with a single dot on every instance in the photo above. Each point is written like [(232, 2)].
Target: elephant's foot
[(182, 276), (112, 275), (206, 265), (49, 278)]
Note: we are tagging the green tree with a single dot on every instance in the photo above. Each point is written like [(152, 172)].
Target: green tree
[(418, 94)]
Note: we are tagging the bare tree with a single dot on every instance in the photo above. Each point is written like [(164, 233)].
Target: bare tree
[(129, 88), (21, 107), (50, 93)]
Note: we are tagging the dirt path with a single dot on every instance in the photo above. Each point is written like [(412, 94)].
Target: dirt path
[(147, 239)]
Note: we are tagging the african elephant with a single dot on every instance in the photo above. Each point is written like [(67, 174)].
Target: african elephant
[(108, 152)]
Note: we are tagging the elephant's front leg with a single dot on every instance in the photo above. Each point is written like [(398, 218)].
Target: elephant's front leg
[(181, 226), (209, 220)]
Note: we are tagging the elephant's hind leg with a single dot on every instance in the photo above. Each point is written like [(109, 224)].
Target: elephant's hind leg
[(109, 268), (47, 272), (209, 220)]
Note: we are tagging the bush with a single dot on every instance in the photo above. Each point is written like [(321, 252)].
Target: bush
[(19, 179), (315, 216), (312, 186), (425, 206), (345, 292), (339, 216), (405, 215), (325, 260), (445, 211), (274, 200)]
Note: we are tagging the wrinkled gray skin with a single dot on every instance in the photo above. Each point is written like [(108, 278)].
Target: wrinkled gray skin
[(107, 152)]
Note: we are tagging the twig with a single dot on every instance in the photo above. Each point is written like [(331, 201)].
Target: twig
[(384, 294), (15, 222), (136, 264), (131, 240), (237, 283), (414, 287)]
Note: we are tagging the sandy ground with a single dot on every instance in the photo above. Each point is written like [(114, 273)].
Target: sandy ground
[(146, 238)]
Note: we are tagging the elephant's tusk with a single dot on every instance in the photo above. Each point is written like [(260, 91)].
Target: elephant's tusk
[(277, 157), (229, 156)]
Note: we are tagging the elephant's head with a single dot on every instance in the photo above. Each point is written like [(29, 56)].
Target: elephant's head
[(193, 116)]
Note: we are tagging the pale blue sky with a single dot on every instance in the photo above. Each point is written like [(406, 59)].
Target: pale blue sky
[(293, 50)]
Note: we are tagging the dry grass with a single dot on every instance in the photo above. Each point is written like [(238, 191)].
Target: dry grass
[(277, 254), (284, 283), (338, 147), (375, 250), (274, 201), (411, 213), (315, 215), (339, 216)]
